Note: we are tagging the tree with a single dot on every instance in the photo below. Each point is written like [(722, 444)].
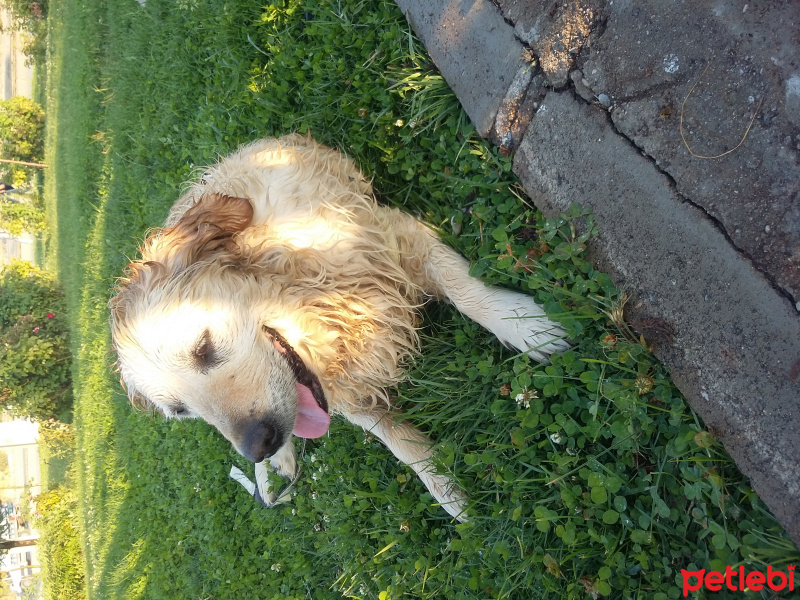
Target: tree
[(21, 138)]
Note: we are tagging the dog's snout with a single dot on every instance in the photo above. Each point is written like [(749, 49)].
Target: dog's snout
[(261, 440)]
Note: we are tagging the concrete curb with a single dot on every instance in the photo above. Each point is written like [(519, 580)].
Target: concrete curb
[(474, 30), (666, 234)]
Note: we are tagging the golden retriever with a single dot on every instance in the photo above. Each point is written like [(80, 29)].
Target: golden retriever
[(279, 292)]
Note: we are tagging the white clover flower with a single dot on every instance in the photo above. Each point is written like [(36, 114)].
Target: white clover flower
[(556, 438), (398, 123), (276, 567), (524, 399)]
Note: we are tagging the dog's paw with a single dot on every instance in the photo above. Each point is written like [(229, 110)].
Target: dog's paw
[(263, 484), (520, 323), (447, 493), (267, 493), (284, 461)]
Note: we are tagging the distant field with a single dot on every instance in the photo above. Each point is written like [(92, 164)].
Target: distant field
[(604, 483)]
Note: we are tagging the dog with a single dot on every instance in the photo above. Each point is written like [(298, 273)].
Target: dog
[(279, 292)]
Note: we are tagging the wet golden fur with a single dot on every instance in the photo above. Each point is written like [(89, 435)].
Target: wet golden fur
[(286, 233)]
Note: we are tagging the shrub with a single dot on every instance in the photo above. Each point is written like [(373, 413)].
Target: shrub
[(59, 545), (58, 437), (34, 355), (30, 18), (21, 129), (26, 14), (17, 217)]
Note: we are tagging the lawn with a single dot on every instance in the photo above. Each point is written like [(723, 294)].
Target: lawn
[(589, 476)]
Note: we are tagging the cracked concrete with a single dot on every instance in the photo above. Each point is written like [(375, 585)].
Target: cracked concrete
[(619, 106), (736, 60)]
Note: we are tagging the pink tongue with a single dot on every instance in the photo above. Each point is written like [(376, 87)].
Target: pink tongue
[(312, 421)]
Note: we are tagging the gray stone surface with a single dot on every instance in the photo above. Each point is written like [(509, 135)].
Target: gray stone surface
[(735, 338), (648, 59), (606, 99)]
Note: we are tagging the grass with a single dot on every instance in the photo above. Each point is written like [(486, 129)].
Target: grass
[(588, 477)]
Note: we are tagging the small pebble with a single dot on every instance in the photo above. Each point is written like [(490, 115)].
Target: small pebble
[(604, 100)]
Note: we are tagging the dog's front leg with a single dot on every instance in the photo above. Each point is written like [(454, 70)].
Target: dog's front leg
[(413, 448), (515, 318)]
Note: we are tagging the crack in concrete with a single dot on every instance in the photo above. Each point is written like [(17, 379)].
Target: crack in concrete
[(570, 86), (673, 184), (720, 226), (508, 21), (644, 94), (657, 88), (528, 49)]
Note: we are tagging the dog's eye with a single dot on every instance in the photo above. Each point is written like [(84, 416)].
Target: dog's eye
[(181, 411)]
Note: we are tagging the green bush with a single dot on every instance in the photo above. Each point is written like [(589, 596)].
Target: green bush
[(34, 355), (17, 217), (26, 14), (21, 129), (30, 18), (59, 545)]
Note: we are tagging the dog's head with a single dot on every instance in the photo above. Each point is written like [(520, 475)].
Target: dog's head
[(193, 340)]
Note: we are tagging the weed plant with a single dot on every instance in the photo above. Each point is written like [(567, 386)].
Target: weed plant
[(589, 477)]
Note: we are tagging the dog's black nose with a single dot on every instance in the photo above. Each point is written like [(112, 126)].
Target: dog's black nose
[(261, 440)]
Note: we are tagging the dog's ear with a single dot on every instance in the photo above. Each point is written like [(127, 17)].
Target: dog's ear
[(205, 232), (206, 228)]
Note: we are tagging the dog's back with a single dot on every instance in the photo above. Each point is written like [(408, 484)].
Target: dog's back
[(282, 177)]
